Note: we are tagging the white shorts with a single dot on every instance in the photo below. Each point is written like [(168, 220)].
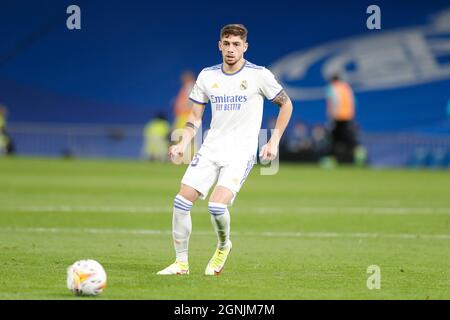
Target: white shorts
[(203, 173)]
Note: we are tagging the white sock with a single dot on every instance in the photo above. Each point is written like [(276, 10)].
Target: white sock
[(220, 219), (181, 227)]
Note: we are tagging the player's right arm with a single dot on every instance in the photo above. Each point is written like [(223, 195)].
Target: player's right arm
[(193, 122)]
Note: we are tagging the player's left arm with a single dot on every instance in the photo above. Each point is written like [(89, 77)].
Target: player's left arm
[(270, 150)]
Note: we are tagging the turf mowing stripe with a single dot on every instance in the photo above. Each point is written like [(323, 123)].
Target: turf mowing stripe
[(261, 210), (237, 233)]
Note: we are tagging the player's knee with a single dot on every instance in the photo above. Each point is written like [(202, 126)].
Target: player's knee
[(222, 194), (188, 193), (217, 208)]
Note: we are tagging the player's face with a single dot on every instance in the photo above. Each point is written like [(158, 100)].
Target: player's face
[(232, 48)]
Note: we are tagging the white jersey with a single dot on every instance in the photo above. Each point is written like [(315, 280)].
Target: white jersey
[(237, 108)]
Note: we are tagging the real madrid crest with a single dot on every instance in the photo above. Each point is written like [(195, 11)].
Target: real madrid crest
[(244, 85)]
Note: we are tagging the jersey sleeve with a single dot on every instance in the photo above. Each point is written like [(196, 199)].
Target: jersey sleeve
[(270, 87), (198, 94)]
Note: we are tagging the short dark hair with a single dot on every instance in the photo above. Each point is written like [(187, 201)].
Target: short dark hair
[(234, 30)]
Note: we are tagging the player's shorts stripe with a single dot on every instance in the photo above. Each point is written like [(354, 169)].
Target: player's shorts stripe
[(276, 95), (198, 102), (250, 164)]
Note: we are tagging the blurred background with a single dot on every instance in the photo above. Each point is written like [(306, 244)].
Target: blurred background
[(117, 87)]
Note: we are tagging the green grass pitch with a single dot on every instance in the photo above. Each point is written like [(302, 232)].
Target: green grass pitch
[(305, 233)]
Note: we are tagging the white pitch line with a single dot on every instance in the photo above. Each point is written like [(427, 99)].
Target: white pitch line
[(107, 209), (355, 210), (268, 234), (260, 210)]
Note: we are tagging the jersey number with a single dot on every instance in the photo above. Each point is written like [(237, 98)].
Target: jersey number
[(195, 161)]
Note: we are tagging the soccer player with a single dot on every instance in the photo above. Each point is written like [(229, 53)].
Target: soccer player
[(236, 90)]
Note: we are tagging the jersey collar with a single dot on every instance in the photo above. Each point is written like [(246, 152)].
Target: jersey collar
[(232, 74)]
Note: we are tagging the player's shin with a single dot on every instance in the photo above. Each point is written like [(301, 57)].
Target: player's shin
[(181, 227), (220, 219)]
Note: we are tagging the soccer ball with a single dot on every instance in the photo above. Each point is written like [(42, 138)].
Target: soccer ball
[(86, 278)]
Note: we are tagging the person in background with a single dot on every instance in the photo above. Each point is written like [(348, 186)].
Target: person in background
[(182, 108), (341, 112), (319, 137), (182, 105), (298, 139), (156, 138), (6, 143)]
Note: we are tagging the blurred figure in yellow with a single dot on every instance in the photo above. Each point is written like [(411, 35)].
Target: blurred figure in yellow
[(156, 138), (182, 105), (6, 143)]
